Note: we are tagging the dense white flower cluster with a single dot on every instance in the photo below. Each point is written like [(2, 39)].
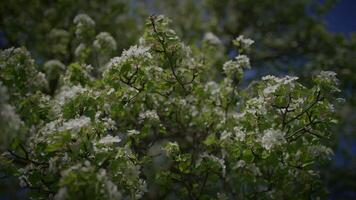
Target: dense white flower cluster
[(83, 19), (320, 151), (52, 65), (239, 133), (132, 132), (328, 77), (272, 138), (212, 38), (256, 105), (104, 41), (108, 123), (67, 93), (148, 114), (243, 43), (133, 52), (171, 148), (10, 122), (111, 189), (274, 83), (240, 164), (232, 67), (75, 125), (84, 25), (81, 50), (109, 140), (41, 80), (136, 51), (9, 117), (243, 61)]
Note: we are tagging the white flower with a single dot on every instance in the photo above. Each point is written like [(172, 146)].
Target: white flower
[(83, 19), (225, 135), (9, 117), (243, 43), (272, 138), (256, 105), (109, 140), (211, 38), (149, 114), (240, 164), (111, 189), (112, 90), (133, 52), (75, 125), (274, 83), (212, 87), (50, 127), (240, 135), (53, 69), (270, 89), (80, 50), (41, 80), (68, 93), (328, 76), (109, 123), (230, 67), (243, 61), (104, 41), (320, 151), (132, 132), (54, 65), (233, 66)]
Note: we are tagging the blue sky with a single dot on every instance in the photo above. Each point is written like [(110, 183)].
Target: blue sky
[(342, 17)]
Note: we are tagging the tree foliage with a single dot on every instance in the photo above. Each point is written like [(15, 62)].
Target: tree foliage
[(161, 121)]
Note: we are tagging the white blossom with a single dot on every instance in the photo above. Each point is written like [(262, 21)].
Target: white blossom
[(240, 134), (8, 115), (274, 83), (54, 65), (328, 76), (148, 114), (41, 80), (243, 43), (84, 19), (132, 132), (67, 93), (109, 140), (75, 125), (234, 66), (127, 55), (111, 189), (212, 38), (256, 105), (320, 151), (272, 138), (243, 61), (240, 164), (104, 40)]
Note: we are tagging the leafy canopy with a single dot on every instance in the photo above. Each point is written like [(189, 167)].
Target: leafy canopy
[(158, 122)]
